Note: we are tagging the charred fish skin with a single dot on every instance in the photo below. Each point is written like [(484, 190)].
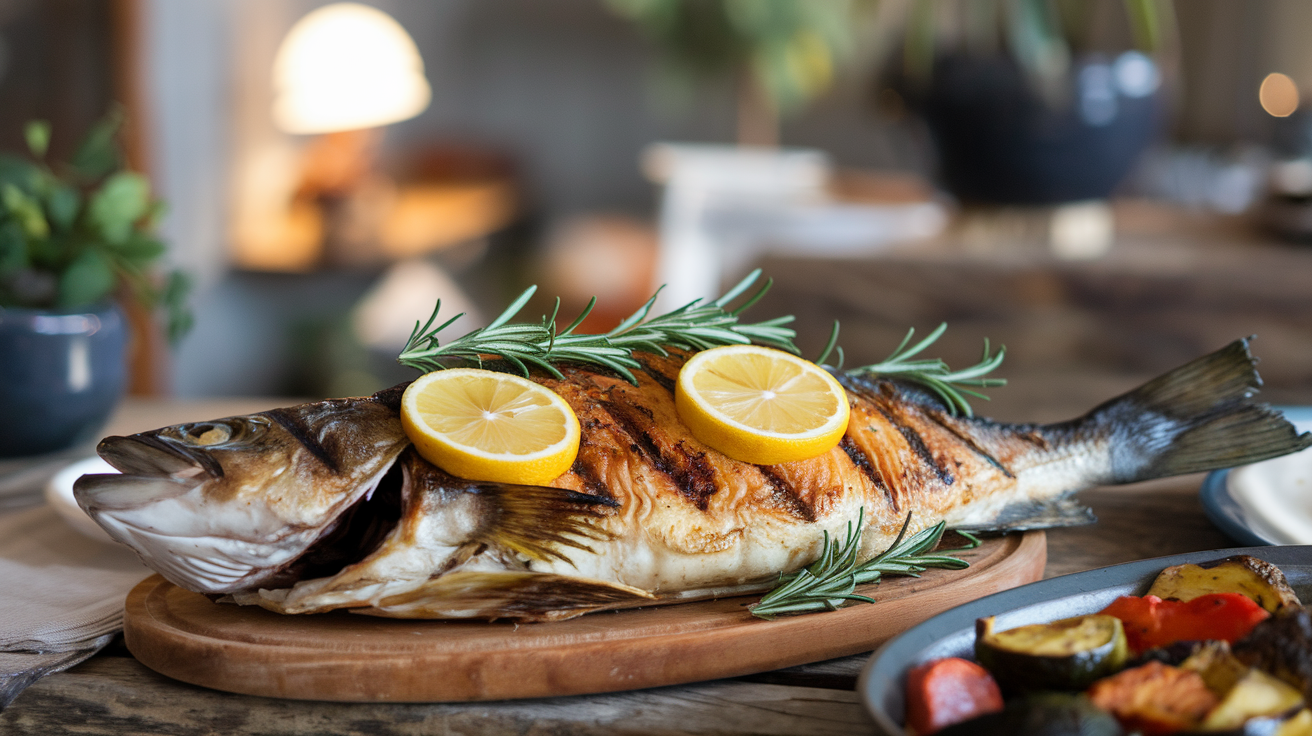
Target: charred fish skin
[(649, 514), (229, 504)]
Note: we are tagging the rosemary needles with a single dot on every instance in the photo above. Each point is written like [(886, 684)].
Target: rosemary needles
[(694, 326), (935, 374), (831, 580)]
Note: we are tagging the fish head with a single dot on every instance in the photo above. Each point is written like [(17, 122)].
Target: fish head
[(228, 504)]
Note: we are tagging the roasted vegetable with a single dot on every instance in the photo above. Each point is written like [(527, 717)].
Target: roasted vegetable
[(1257, 579), (1063, 655), (1299, 725), (1282, 645), (1046, 714), (1153, 622), (1220, 669), (942, 692), (1155, 698), (1256, 694)]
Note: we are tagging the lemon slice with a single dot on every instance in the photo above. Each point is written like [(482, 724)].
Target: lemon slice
[(760, 405), (483, 425)]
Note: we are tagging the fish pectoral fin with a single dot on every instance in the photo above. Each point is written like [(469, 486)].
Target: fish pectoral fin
[(525, 596), (539, 522), (1044, 514)]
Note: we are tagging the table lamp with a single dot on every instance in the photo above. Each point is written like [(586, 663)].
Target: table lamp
[(342, 72)]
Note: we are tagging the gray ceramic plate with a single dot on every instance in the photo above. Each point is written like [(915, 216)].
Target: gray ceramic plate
[(952, 633)]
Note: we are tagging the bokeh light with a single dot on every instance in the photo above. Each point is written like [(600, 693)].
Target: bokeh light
[(1278, 95)]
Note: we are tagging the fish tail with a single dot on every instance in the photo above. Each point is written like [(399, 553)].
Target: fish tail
[(1198, 417)]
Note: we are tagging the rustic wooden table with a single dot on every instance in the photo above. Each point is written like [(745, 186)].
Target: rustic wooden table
[(114, 694)]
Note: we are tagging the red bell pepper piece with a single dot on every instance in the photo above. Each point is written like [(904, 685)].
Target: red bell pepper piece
[(1152, 622), (942, 692)]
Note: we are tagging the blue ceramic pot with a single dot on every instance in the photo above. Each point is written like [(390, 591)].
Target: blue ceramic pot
[(61, 375), (1000, 143)]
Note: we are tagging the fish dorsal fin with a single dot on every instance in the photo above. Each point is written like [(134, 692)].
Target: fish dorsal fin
[(524, 596), (1200, 416), (535, 522)]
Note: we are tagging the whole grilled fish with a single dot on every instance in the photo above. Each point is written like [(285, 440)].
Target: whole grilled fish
[(325, 505)]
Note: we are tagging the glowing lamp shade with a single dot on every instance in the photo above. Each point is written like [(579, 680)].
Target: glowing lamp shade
[(347, 66)]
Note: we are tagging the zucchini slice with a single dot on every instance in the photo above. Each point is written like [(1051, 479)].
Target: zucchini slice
[(1062, 655)]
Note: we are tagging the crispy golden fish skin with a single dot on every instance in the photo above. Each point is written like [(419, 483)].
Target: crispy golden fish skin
[(649, 514)]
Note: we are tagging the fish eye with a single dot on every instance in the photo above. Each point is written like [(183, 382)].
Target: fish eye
[(231, 432), (209, 434)]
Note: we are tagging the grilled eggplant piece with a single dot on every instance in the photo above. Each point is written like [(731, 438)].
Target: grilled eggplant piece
[(1282, 645), (1257, 579), (1062, 655), (1047, 714)]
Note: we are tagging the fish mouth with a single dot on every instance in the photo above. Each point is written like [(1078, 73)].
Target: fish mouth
[(151, 469), (155, 508), (152, 455)]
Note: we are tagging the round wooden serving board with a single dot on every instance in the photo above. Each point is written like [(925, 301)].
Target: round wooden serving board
[(346, 657)]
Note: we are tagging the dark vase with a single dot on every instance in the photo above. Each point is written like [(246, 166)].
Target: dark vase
[(999, 142), (61, 376)]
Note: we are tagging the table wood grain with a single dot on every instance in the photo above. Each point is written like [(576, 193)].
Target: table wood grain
[(114, 694)]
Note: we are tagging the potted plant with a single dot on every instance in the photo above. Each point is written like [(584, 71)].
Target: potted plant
[(783, 53), (1035, 102), (76, 239)]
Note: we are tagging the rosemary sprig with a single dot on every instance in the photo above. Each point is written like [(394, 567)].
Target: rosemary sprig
[(694, 326), (935, 374), (831, 580)]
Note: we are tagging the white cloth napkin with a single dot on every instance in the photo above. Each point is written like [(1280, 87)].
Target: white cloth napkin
[(62, 595)]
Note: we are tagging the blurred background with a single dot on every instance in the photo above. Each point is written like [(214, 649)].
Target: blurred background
[(1109, 188)]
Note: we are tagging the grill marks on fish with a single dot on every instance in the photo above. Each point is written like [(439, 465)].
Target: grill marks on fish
[(590, 483), (786, 496), (688, 470), (973, 444), (861, 461), (917, 444), (289, 420), (886, 473), (659, 370), (317, 427)]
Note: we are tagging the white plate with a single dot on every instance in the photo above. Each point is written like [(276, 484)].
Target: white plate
[(59, 494), (1268, 502)]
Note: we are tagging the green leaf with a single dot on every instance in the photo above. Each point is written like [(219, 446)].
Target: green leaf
[(62, 203), (140, 250), (118, 204), (13, 248), (20, 172), (179, 316), (99, 154), (25, 210), (154, 214), (37, 134), (88, 279)]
